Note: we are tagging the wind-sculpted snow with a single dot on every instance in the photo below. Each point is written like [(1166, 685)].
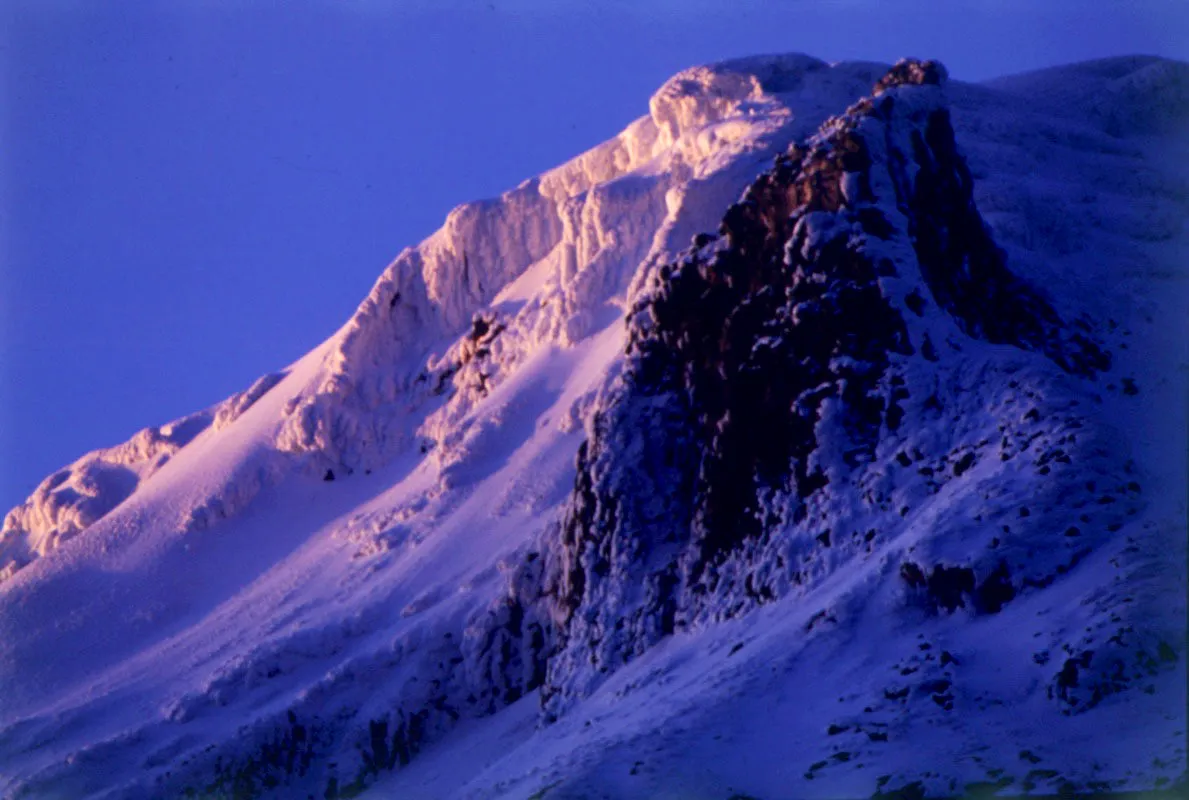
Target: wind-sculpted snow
[(75, 497), (576, 236), (556, 250), (852, 494)]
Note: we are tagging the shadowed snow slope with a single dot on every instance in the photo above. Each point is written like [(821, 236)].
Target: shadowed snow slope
[(879, 482)]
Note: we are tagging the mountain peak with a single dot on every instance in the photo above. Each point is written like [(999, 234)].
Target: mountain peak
[(778, 429), (698, 96)]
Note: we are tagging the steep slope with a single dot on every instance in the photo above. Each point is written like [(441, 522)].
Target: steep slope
[(863, 426), (795, 353), (76, 497), (242, 520)]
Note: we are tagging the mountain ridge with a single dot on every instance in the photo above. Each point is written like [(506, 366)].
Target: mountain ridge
[(491, 364)]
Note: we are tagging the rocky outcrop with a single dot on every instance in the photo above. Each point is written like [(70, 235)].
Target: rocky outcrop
[(767, 372)]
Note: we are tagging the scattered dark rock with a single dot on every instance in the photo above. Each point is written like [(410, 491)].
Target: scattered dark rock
[(937, 686), (915, 303), (963, 464), (928, 349), (910, 791), (948, 584), (1042, 774), (912, 574), (996, 590)]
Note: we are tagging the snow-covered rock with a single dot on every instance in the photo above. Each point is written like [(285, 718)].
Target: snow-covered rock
[(786, 444)]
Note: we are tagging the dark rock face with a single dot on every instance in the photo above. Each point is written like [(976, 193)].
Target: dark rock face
[(764, 369), (912, 72), (966, 272), (732, 356), (469, 367), (505, 648), (758, 334), (950, 588)]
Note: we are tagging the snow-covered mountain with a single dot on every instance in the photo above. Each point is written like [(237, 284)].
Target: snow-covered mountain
[(822, 434)]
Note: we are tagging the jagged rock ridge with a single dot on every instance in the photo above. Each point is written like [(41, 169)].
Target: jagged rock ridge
[(766, 368)]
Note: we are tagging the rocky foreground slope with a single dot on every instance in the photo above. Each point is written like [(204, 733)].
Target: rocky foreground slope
[(820, 435)]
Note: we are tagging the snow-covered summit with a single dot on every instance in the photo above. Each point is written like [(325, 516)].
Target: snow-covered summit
[(571, 237), (570, 504)]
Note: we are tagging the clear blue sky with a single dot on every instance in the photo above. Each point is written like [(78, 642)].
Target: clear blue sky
[(193, 193)]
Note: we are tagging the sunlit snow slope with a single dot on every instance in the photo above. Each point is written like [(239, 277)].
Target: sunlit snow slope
[(823, 433)]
